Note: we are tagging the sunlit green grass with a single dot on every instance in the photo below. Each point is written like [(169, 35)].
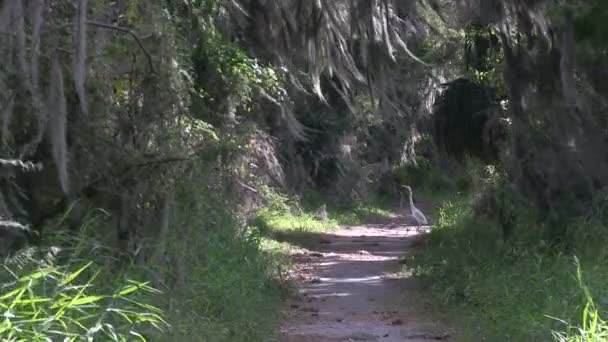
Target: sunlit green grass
[(592, 327), (360, 215), (279, 251), (286, 220), (290, 220), (272, 222)]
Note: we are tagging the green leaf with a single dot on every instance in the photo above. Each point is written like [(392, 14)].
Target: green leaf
[(32, 301), (126, 291), (74, 275), (138, 335), (85, 300), (43, 273), (10, 294)]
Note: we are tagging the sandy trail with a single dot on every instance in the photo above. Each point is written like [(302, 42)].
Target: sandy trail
[(352, 288)]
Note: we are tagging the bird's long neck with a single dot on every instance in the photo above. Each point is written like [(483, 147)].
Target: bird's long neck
[(411, 201)]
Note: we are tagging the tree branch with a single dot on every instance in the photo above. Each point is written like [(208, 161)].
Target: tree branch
[(127, 31), (247, 187)]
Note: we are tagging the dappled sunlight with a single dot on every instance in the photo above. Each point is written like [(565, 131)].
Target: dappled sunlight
[(327, 264), (347, 279), (376, 256), (372, 280), (333, 295)]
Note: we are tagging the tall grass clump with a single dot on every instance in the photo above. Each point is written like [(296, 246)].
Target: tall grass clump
[(56, 303), (57, 292), (592, 328)]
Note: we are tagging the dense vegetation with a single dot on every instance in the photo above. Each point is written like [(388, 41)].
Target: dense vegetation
[(520, 289), (151, 146)]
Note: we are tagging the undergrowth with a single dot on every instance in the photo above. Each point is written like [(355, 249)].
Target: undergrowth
[(215, 282), (43, 301), (216, 279), (226, 286), (592, 327), (71, 288), (507, 291)]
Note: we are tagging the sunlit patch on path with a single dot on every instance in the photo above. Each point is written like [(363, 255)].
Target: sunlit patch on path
[(352, 288)]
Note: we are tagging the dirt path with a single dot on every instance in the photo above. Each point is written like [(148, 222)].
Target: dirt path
[(352, 288)]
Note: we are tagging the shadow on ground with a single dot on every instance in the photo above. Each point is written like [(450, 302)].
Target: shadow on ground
[(336, 243), (352, 287)]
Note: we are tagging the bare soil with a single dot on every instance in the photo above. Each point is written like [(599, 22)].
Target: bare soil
[(352, 287)]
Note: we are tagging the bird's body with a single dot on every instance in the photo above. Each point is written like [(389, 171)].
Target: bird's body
[(418, 216), (321, 214)]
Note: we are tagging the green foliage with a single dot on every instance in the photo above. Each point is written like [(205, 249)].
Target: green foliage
[(432, 182), (590, 21), (223, 285), (43, 301), (220, 282), (593, 328), (277, 201), (482, 49), (504, 291), (284, 214), (360, 215), (421, 175), (460, 116), (269, 220), (224, 72), (230, 295), (342, 214)]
